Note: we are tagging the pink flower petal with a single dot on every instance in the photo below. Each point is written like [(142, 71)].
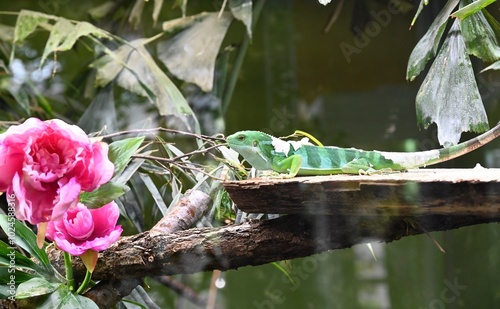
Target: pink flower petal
[(83, 229), (47, 164)]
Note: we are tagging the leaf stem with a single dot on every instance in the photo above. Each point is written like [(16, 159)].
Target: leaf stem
[(70, 281), (85, 282)]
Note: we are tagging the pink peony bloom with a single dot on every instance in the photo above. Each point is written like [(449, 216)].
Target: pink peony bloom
[(83, 229), (46, 165)]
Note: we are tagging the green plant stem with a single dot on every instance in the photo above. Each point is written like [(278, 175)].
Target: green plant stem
[(228, 91), (85, 282), (70, 281)]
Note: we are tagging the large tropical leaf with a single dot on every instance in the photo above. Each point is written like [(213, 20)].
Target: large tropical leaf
[(482, 33), (449, 95), (242, 10), (190, 55), (63, 34), (428, 45), (471, 8), (133, 68)]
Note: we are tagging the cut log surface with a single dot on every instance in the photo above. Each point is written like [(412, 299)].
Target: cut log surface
[(416, 192)]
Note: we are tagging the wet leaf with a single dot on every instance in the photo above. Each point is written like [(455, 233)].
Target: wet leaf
[(82, 29), (449, 95), (428, 45), (35, 287), (471, 8), (191, 54), (481, 33), (184, 22), (62, 298), (121, 152), (155, 193), (27, 22), (493, 66), (59, 33), (242, 10), (134, 69), (103, 195)]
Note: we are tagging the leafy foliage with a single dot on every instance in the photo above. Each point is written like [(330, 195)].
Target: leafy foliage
[(449, 95)]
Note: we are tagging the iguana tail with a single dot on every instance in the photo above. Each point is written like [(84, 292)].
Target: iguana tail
[(429, 157)]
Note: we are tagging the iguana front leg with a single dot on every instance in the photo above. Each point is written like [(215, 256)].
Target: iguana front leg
[(290, 164)]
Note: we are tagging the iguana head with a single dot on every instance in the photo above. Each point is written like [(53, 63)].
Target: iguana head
[(256, 147)]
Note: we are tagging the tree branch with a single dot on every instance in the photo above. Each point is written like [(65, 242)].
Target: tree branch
[(255, 243)]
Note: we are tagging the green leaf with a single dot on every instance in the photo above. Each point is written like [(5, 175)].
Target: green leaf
[(242, 10), (64, 35), (121, 151), (481, 32), (62, 298), (59, 33), (9, 255), (419, 10), (17, 276), (428, 45), (154, 193), (449, 95), (471, 8), (277, 265), (133, 68), (493, 66), (103, 195), (177, 24), (190, 55), (27, 22), (26, 239), (35, 287)]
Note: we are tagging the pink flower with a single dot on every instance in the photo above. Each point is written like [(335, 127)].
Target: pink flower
[(46, 165), (83, 229)]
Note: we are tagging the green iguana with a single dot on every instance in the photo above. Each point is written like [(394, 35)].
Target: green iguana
[(265, 152)]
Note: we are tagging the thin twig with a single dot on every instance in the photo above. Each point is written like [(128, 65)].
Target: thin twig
[(335, 15), (154, 130)]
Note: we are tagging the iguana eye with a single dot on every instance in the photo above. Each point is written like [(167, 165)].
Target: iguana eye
[(241, 137)]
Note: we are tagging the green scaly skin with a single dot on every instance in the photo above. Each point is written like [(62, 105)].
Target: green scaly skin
[(259, 149)]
